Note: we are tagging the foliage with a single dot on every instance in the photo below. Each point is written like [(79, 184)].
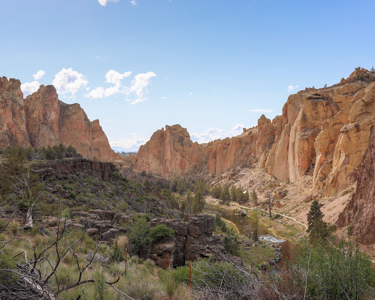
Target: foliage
[(146, 183), (198, 202), (65, 213), (71, 149), (138, 237), (254, 197), (117, 254), (336, 271), (255, 232), (18, 180), (216, 191), (231, 242), (224, 195), (159, 232), (317, 228), (100, 288), (189, 202), (6, 262)]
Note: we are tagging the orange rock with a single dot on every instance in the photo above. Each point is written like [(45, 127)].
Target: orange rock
[(42, 120), (323, 132)]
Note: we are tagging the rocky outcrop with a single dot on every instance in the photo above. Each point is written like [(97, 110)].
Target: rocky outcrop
[(42, 119), (322, 132), (359, 212), (76, 167), (169, 152), (192, 240)]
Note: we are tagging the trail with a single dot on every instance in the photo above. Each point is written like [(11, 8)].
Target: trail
[(257, 209)]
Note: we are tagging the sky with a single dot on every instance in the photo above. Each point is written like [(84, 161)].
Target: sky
[(212, 66)]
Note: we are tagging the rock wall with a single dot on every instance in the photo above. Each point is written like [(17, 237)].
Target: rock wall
[(76, 167), (359, 212), (323, 132), (192, 240), (42, 119)]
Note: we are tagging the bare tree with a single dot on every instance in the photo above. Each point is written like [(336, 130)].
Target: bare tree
[(31, 278)]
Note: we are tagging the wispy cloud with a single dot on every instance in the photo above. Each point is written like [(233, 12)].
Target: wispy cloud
[(261, 110), (291, 88), (216, 133), (131, 144), (164, 97), (133, 2), (39, 74), (104, 2), (191, 93)]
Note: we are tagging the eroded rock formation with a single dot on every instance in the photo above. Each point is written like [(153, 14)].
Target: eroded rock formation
[(359, 212), (323, 132), (42, 119)]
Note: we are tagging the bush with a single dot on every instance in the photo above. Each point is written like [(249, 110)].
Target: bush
[(100, 288), (231, 243), (160, 232), (330, 271), (138, 237), (6, 262), (117, 254), (65, 213)]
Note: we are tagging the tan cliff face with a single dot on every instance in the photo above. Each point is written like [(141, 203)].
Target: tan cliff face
[(323, 132), (42, 119), (359, 212), (169, 152)]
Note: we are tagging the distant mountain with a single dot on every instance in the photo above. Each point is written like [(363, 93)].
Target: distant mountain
[(126, 154)]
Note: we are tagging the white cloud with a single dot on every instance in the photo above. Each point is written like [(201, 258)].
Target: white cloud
[(138, 85), (111, 77), (68, 81), (39, 74), (191, 93), (29, 87), (87, 88), (127, 145), (261, 110), (216, 133), (164, 97), (140, 82), (291, 88), (133, 2), (137, 101), (115, 77), (104, 2)]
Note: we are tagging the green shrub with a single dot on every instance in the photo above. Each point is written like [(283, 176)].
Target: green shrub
[(6, 262), (336, 271), (231, 243), (117, 254), (59, 188), (65, 213), (100, 288), (138, 237), (159, 232)]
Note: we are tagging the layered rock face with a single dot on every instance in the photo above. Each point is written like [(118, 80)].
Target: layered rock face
[(192, 240), (359, 212), (323, 132), (42, 119)]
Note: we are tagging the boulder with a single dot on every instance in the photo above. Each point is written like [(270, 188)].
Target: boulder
[(110, 235)]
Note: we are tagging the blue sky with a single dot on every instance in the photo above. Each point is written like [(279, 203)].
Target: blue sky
[(211, 66)]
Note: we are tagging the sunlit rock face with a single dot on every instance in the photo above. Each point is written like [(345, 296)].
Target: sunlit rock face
[(359, 212), (322, 132), (42, 119)]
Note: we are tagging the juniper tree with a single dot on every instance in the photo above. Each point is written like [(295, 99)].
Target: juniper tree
[(317, 228)]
